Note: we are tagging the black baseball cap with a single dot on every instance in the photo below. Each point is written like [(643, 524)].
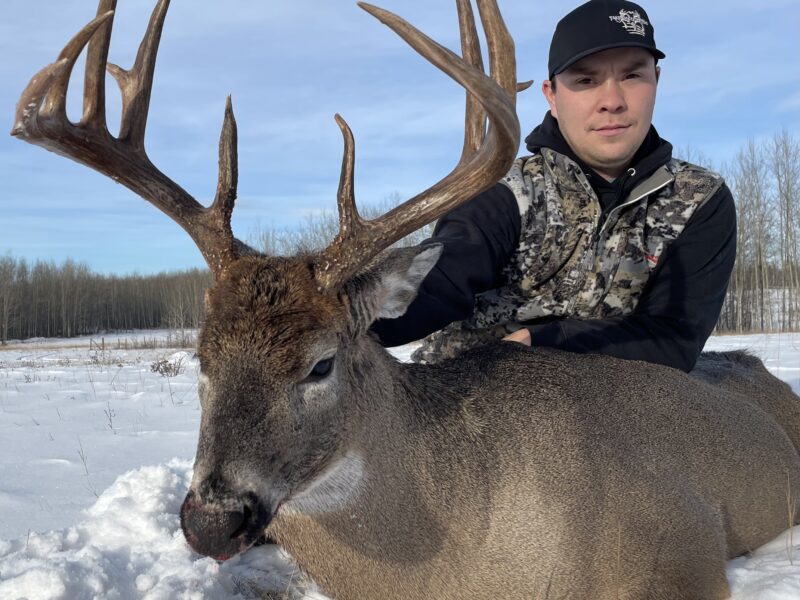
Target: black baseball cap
[(600, 25)]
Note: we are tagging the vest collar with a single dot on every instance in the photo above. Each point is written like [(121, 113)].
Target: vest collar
[(658, 180)]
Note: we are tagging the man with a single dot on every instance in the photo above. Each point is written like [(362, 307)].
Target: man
[(600, 241)]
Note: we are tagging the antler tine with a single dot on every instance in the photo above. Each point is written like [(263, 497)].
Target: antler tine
[(349, 220), (480, 166), (475, 115), (351, 226), (94, 86), (41, 119), (228, 169), (475, 121), (137, 83), (502, 59), (46, 94)]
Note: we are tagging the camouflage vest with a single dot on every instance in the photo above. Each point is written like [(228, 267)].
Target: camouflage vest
[(568, 263)]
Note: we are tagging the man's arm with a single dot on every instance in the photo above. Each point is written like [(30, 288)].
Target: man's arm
[(679, 306), (479, 238)]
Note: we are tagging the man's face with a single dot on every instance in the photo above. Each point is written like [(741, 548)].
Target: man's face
[(604, 105)]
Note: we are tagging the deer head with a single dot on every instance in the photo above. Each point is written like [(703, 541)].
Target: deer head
[(288, 370)]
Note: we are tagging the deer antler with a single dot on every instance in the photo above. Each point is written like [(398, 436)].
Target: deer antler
[(41, 119), (486, 157)]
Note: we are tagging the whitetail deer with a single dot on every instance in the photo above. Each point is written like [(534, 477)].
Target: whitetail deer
[(508, 472)]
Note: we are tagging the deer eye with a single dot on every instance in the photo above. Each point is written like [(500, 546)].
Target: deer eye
[(321, 369)]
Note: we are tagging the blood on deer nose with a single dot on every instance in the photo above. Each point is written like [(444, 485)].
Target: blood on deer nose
[(222, 530)]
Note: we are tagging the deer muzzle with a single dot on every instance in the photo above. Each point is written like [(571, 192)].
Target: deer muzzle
[(222, 529)]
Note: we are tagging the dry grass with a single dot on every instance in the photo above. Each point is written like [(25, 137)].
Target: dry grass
[(175, 339)]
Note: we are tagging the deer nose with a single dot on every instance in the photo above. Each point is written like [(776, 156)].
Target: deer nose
[(223, 528)]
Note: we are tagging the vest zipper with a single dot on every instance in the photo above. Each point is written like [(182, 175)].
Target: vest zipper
[(630, 201), (599, 231)]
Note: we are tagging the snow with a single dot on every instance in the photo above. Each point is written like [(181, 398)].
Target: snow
[(81, 518)]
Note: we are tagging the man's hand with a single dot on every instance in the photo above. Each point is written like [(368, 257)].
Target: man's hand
[(522, 336)]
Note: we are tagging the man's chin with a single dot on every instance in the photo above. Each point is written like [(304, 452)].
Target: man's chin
[(610, 167), (609, 155)]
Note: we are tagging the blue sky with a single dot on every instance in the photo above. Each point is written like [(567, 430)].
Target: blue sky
[(731, 73)]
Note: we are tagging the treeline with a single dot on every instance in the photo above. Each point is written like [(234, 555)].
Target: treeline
[(764, 292), (48, 300), (43, 299)]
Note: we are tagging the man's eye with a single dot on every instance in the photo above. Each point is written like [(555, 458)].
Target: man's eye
[(322, 368)]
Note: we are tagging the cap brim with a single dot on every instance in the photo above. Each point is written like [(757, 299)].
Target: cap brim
[(654, 51)]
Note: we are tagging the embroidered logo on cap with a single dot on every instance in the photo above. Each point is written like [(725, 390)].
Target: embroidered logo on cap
[(631, 20)]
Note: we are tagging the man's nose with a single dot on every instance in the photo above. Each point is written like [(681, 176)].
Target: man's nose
[(612, 97)]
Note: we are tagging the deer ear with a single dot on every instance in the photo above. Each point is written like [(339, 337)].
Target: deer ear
[(390, 283)]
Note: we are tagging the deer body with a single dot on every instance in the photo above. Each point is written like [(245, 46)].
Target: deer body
[(504, 473), (569, 483)]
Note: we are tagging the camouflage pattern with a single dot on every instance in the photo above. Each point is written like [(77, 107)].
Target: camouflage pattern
[(567, 263)]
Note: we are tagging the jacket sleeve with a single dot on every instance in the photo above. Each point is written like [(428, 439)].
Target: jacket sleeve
[(679, 306), (479, 238)]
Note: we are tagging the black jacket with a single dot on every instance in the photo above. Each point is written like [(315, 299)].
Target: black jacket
[(677, 310)]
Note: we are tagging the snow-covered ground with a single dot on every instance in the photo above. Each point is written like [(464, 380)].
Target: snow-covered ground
[(81, 518)]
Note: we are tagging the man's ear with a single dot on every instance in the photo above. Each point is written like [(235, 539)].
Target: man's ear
[(389, 283), (550, 95)]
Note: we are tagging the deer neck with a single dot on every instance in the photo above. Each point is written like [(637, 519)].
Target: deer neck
[(392, 496), (389, 484)]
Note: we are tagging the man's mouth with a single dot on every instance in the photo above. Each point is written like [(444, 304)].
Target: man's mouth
[(611, 130)]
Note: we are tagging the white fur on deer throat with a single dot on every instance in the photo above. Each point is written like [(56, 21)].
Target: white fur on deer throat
[(332, 489)]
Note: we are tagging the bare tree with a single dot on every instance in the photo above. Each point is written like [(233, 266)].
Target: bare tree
[(785, 168), (8, 270), (750, 281), (319, 229), (765, 289)]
